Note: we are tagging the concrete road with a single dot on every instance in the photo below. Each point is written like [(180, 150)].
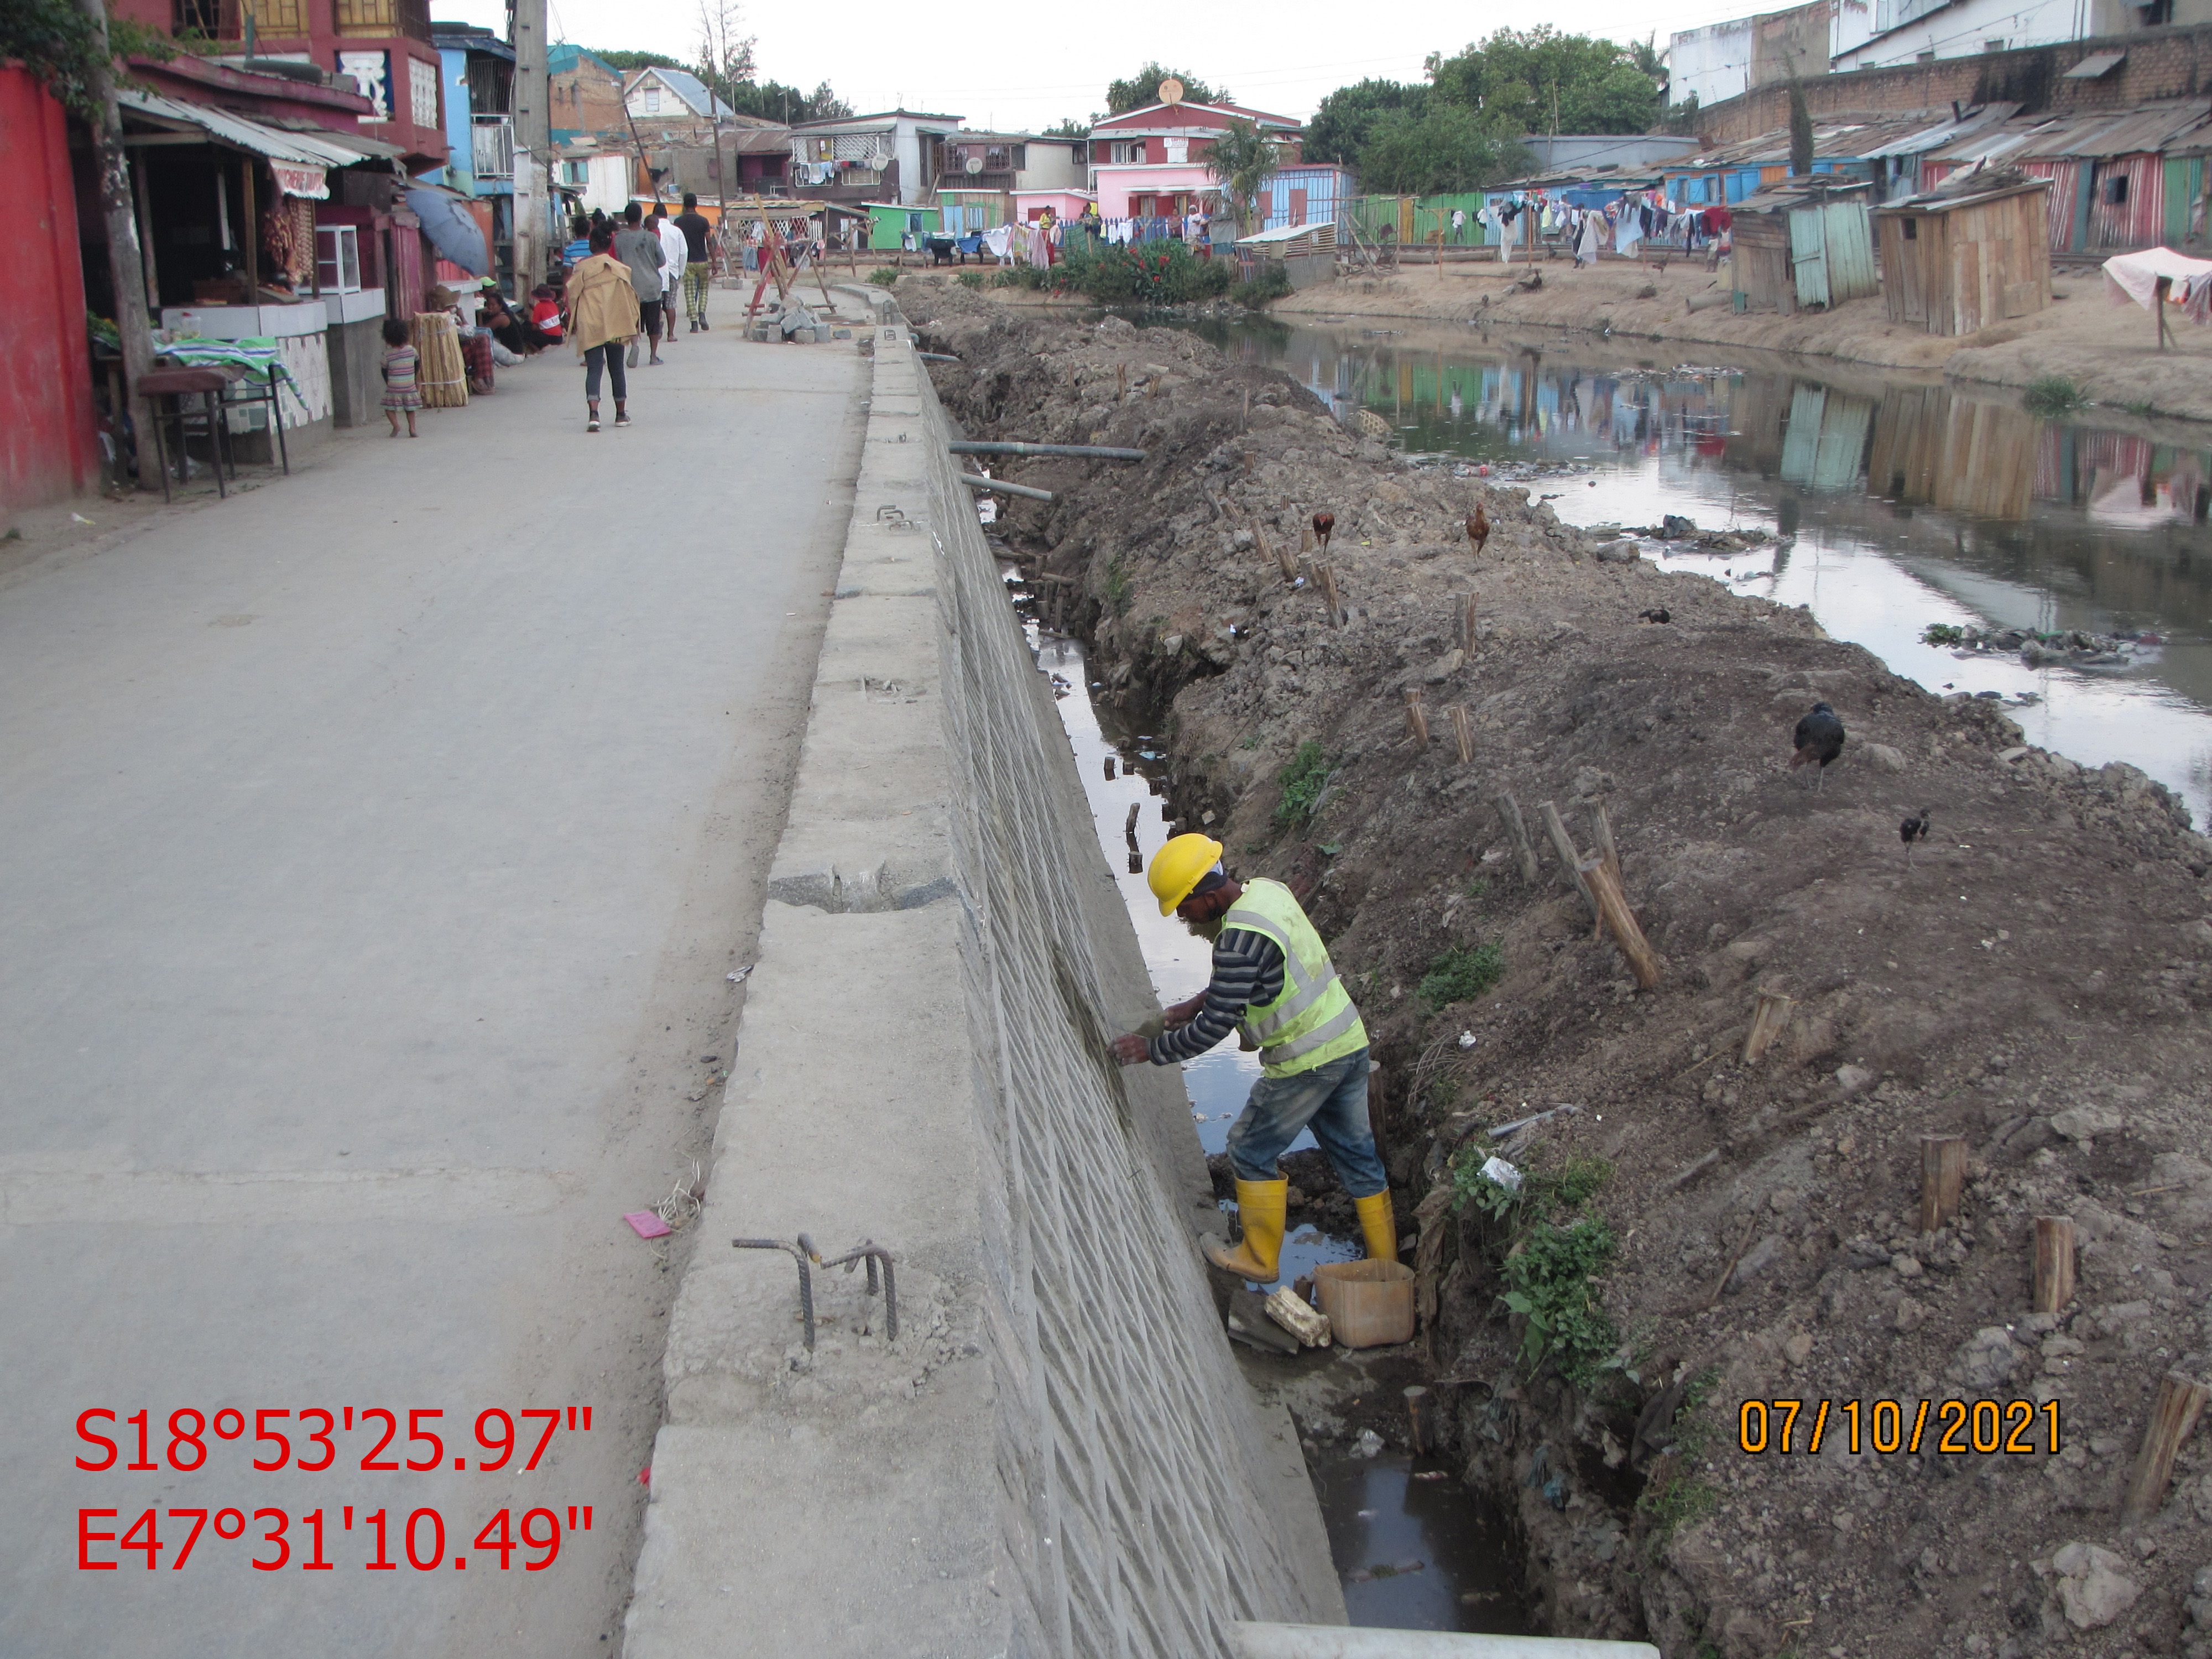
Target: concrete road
[(377, 846)]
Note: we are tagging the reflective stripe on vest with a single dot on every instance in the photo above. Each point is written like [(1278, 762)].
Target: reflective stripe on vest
[(1312, 1020)]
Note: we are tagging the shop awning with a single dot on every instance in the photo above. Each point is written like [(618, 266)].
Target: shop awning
[(301, 163)]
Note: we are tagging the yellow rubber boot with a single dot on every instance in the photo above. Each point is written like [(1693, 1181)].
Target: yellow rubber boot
[(1260, 1204), (1379, 1225)]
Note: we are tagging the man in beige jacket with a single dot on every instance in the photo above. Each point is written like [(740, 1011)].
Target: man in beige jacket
[(602, 318)]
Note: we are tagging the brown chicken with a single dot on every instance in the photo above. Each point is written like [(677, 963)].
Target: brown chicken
[(1322, 523), (1478, 527)]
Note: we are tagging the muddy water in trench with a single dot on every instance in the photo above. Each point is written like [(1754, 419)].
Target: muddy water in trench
[(1913, 502), (1413, 1549)]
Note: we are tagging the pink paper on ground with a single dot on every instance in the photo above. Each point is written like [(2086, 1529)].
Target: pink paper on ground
[(648, 1224)]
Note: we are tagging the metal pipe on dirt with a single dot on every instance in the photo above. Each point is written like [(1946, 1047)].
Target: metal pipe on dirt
[(993, 447), (1338, 1641), (974, 482)]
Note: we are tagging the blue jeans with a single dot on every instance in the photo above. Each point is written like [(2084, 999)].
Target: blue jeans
[(1332, 1100)]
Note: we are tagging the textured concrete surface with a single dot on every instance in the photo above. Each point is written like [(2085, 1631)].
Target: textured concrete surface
[(379, 842), (1057, 1453)]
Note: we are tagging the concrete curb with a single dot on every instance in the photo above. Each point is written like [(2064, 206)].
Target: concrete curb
[(1057, 1453)]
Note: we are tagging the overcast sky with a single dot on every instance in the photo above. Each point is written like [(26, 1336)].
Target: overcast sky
[(1024, 67)]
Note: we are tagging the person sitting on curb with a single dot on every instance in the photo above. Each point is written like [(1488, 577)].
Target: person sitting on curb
[(1273, 985)]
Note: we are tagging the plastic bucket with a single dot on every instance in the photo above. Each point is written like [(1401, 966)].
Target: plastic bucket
[(1370, 1304)]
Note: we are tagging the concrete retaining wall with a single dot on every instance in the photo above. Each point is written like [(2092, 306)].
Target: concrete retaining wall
[(1058, 1453)]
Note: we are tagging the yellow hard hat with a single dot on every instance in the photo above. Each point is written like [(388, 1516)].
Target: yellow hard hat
[(1179, 867)]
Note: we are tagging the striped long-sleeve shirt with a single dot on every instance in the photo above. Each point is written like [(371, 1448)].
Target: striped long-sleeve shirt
[(1248, 970)]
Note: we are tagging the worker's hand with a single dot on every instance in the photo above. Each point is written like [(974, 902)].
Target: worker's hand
[(1182, 1013), (1131, 1050)]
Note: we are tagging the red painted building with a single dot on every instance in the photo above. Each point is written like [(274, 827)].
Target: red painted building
[(49, 449), (380, 49)]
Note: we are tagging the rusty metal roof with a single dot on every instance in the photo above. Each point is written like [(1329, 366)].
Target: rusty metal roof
[(1832, 141), (2148, 128)]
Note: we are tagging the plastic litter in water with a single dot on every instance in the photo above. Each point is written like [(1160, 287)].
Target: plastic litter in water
[(1370, 1443)]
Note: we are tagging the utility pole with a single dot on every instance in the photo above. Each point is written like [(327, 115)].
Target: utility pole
[(126, 265), (533, 141)]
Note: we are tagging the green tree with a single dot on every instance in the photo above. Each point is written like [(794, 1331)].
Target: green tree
[(58, 41), (1800, 132), (627, 61), (1442, 148), (1339, 127), (772, 101), (1071, 127), (1542, 81), (1143, 89), (1242, 159)]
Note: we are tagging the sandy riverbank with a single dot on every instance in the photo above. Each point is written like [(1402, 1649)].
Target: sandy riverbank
[(2108, 349)]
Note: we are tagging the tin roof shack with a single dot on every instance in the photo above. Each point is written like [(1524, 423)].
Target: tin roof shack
[(1803, 243), (2107, 168), (1968, 254)]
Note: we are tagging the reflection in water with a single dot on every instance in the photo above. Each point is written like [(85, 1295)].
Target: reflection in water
[(1910, 502)]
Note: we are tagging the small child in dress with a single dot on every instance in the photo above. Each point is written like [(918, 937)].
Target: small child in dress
[(399, 361)]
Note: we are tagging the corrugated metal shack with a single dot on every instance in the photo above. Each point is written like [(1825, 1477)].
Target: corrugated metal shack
[(2108, 170), (1733, 172), (1802, 243), (1968, 254)]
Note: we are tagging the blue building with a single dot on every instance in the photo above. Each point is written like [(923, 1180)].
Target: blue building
[(478, 68)]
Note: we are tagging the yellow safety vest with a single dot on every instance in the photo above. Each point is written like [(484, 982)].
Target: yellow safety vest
[(1313, 1021)]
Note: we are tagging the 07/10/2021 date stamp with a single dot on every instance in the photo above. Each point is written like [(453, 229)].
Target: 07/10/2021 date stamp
[(2016, 1427)]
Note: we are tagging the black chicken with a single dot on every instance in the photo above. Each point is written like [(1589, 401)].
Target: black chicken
[(1818, 737), (1912, 830), (1657, 613)]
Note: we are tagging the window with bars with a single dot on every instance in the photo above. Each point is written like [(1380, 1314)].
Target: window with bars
[(408, 17), (225, 20)]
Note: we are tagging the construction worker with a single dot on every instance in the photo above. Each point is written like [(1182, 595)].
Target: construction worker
[(1274, 985)]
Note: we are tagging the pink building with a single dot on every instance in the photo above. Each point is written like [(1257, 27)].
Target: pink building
[(1153, 160)]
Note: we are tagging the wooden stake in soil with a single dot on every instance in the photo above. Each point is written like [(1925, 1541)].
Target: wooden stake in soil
[(1416, 722), (2054, 1264), (1463, 734), (1305, 535), (1613, 910), (1109, 769), (1121, 380), (1601, 826), (1327, 574), (1416, 1397), (1564, 845), (2180, 1402), (1942, 1179), (1516, 831), (1770, 1015), (1464, 604)]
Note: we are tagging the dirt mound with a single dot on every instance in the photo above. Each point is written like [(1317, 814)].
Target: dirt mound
[(1700, 1232)]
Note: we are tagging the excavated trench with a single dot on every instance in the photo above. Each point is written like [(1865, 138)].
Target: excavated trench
[(1414, 1547)]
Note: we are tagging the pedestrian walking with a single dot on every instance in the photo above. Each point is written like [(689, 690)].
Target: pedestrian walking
[(399, 364), (641, 250), (692, 223), (675, 254), (603, 318), (1274, 986)]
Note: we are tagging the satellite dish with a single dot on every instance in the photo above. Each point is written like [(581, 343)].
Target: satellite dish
[(975, 164), (1171, 91)]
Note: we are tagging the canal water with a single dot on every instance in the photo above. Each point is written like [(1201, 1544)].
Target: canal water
[(1913, 502)]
